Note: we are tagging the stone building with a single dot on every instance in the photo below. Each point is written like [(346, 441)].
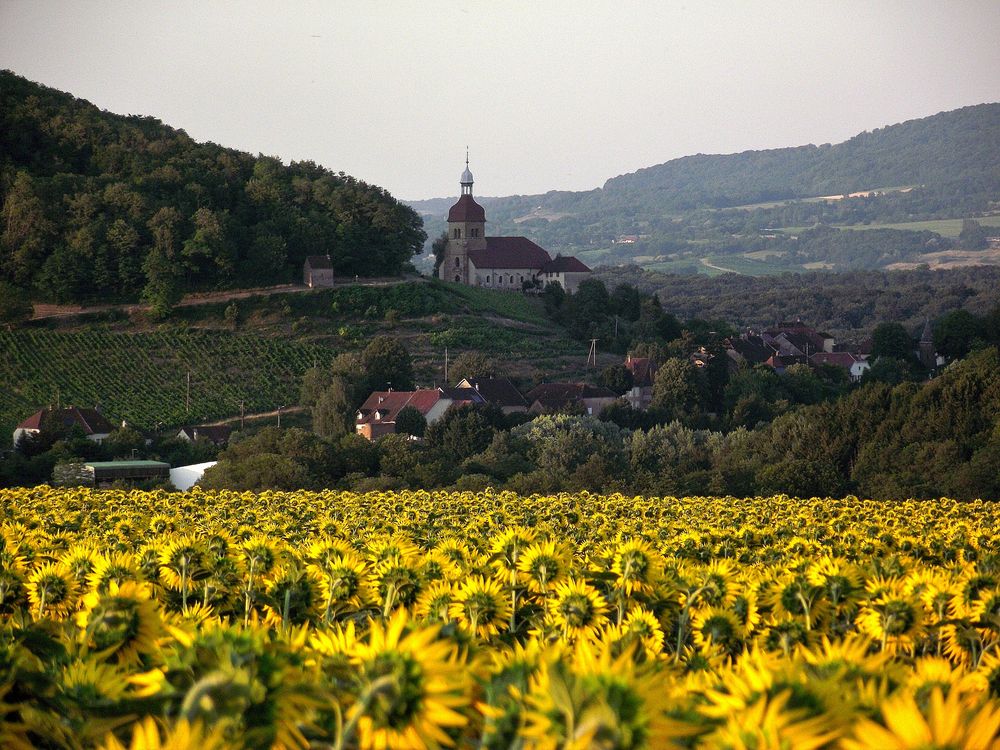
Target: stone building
[(507, 263)]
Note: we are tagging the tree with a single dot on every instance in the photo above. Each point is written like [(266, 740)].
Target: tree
[(471, 364), (463, 431), (15, 305), (438, 248), (891, 340), (956, 332), (973, 236), (386, 364), (332, 411), (678, 391), (617, 378), (410, 421)]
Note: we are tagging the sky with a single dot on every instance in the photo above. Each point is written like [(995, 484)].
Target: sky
[(546, 95)]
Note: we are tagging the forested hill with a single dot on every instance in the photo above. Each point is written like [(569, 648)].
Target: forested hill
[(961, 148), (102, 206), (943, 166)]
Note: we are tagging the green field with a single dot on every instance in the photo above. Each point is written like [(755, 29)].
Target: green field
[(944, 227), (142, 377)]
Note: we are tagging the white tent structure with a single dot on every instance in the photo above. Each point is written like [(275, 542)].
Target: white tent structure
[(185, 477)]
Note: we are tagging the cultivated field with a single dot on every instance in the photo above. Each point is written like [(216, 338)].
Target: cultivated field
[(424, 620)]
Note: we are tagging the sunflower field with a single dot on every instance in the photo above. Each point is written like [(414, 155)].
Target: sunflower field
[(490, 620)]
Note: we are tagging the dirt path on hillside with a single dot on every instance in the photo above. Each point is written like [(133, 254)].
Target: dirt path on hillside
[(704, 262), (42, 311), (259, 415)]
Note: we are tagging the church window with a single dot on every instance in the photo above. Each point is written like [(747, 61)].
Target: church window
[(458, 233), (457, 262), (458, 278), (510, 279), (475, 232)]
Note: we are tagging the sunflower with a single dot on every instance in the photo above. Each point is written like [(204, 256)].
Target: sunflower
[(181, 735), (718, 627), (122, 621), (80, 560), (294, 595), (118, 567), (435, 601), (602, 701), (840, 581), (543, 564), (345, 583), (893, 618), (636, 566), (411, 688), (481, 605), (51, 590), (576, 608), (397, 582), (946, 724), (182, 561), (769, 723)]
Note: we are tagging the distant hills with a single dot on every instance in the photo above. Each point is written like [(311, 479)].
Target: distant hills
[(674, 215), (99, 206)]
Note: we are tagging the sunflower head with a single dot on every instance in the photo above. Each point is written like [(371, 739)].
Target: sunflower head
[(122, 621)]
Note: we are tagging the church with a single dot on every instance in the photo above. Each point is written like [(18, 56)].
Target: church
[(470, 257)]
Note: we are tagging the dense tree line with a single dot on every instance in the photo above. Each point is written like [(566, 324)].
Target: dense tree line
[(101, 206), (850, 303)]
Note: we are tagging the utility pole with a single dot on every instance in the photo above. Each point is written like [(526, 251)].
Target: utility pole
[(592, 354), (188, 398), (241, 413), (279, 416), (446, 381)]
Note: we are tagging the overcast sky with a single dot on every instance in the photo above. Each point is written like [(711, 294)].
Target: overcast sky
[(547, 95)]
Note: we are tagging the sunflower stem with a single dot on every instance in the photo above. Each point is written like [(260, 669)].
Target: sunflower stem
[(360, 707)]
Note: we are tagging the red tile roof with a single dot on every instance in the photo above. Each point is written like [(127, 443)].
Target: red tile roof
[(565, 264), (91, 421), (499, 391), (467, 210), (557, 395), (509, 252), (643, 370)]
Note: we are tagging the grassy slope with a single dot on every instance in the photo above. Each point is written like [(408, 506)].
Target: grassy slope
[(137, 370)]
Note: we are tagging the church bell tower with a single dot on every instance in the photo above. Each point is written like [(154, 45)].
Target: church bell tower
[(466, 232)]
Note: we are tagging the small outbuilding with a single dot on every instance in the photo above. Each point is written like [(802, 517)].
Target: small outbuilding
[(318, 271), (104, 473)]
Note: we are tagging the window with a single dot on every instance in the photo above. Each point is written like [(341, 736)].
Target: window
[(457, 262), (475, 232), (458, 233), (510, 279), (458, 278)]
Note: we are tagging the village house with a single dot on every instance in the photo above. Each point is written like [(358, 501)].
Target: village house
[(217, 434), (555, 397), (500, 392), (506, 263), (318, 271), (643, 370), (93, 424), (377, 415), (855, 364)]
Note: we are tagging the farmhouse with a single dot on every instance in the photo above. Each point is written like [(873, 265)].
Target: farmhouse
[(217, 434), (554, 397), (500, 392), (93, 424), (377, 415), (508, 263)]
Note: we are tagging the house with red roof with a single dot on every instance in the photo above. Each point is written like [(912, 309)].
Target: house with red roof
[(93, 424), (506, 263), (377, 415)]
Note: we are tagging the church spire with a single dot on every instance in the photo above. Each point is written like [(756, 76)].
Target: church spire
[(466, 176)]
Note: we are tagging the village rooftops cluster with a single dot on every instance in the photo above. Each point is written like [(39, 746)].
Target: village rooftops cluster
[(377, 416), (790, 343)]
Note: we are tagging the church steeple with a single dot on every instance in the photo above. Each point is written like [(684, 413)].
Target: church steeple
[(466, 176)]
